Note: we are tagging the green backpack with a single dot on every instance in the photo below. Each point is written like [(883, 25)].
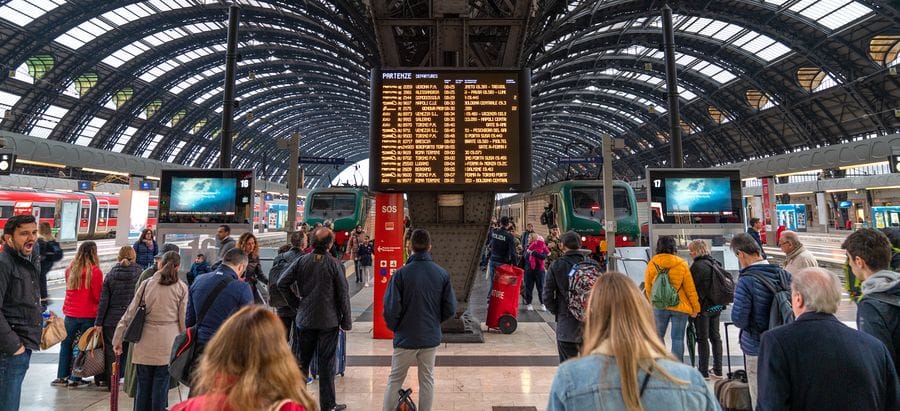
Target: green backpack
[(662, 294)]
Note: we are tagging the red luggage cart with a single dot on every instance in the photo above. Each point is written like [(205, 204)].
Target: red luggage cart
[(503, 309)]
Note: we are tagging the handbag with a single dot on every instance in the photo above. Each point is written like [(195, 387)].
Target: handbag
[(90, 360), (181, 360), (54, 331), (406, 403), (136, 327)]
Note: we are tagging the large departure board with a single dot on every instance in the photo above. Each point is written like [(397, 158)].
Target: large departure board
[(451, 130)]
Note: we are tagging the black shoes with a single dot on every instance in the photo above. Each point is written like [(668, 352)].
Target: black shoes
[(339, 407)]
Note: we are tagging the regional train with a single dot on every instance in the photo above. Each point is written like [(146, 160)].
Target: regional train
[(576, 205), (346, 207), (98, 213)]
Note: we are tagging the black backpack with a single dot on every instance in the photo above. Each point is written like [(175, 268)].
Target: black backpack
[(721, 286), (780, 312)]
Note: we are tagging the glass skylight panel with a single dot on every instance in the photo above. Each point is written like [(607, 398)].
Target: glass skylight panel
[(23, 12), (841, 17), (831, 13), (7, 101), (774, 51), (47, 122), (176, 151), (84, 33), (152, 145), (90, 131), (210, 94)]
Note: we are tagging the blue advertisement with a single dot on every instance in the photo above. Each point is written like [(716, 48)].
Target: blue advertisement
[(698, 195), (203, 195), (791, 216)]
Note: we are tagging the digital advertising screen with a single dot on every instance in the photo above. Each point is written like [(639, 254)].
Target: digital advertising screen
[(697, 196), (221, 196), (451, 129)]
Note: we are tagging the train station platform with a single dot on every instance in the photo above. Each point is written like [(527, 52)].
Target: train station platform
[(513, 370)]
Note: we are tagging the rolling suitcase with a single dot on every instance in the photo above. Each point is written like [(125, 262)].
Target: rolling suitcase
[(733, 392), (340, 358)]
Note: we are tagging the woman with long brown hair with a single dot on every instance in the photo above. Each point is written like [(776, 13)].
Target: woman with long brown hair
[(145, 248), (234, 374), (165, 298), (84, 282), (624, 364), (254, 274)]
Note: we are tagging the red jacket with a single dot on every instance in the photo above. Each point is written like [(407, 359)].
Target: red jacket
[(199, 404), (83, 302)]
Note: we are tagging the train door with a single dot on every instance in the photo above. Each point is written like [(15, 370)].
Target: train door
[(84, 221), (102, 217)]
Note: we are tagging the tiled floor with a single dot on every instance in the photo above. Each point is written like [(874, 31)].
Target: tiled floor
[(507, 370)]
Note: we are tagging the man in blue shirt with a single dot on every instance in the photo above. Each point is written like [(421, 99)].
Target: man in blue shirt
[(235, 295), (418, 299)]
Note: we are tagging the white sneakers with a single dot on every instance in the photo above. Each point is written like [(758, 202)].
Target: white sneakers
[(543, 307), (529, 307)]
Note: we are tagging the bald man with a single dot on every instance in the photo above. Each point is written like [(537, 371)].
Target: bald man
[(796, 257), (817, 362)]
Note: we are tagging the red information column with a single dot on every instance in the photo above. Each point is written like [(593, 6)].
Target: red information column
[(388, 253), (767, 203)]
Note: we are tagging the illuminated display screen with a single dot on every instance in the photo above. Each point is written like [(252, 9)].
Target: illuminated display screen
[(222, 196), (451, 130), (690, 196)]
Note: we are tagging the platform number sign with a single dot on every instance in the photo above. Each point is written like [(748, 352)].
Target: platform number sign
[(7, 162), (895, 163)]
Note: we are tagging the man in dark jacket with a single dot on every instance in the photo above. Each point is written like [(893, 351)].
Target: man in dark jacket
[(502, 244), (817, 362), (756, 225), (322, 308), (417, 300), (235, 295), (752, 300), (878, 312), (281, 264), (556, 296), (20, 305)]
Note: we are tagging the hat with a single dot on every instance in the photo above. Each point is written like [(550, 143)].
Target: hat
[(166, 248)]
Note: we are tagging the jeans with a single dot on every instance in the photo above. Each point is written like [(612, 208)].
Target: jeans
[(152, 388), (12, 373), (532, 278), (323, 343), (74, 328), (402, 359), (567, 350), (707, 325), (751, 363), (359, 277), (679, 324), (366, 271)]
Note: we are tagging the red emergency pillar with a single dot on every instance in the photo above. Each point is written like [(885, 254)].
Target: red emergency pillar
[(388, 253)]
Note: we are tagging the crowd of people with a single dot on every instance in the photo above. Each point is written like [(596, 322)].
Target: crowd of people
[(611, 357)]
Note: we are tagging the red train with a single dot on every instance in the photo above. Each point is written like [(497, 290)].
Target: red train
[(98, 212)]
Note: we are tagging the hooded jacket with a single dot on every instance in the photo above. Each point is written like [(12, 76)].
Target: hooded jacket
[(878, 312), (681, 279), (116, 294), (702, 273), (752, 301), (556, 295)]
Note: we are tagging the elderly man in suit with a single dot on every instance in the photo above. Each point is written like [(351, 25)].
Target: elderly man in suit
[(817, 362)]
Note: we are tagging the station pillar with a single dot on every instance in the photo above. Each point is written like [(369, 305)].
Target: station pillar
[(388, 254)]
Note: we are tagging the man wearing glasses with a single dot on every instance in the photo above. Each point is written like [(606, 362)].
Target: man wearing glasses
[(753, 299), (796, 257)]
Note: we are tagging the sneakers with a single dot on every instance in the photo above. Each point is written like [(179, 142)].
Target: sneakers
[(543, 307), (529, 307), (366, 285), (59, 382), (77, 384)]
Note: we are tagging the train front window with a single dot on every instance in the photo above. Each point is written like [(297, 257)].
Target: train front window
[(332, 205), (6, 211), (587, 202)]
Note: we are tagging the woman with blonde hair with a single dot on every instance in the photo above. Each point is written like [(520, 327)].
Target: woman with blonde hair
[(624, 365), (84, 282), (165, 298), (234, 374), (704, 270), (116, 295), (254, 274)]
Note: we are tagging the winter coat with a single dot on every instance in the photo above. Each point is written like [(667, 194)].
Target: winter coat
[(281, 264), (253, 275), (20, 307), (752, 300), (502, 246), (234, 296), (364, 254), (196, 270), (878, 312), (163, 321), (145, 254), (83, 302), (50, 252), (680, 278), (356, 239), (417, 300), (799, 259), (537, 253), (324, 300), (226, 244), (117, 293), (556, 296), (702, 273)]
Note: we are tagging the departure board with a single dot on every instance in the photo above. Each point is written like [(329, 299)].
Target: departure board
[(451, 130)]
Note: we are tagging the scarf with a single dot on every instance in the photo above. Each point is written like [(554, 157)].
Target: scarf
[(792, 254), (881, 281)]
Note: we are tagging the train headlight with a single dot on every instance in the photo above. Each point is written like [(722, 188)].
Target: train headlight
[(583, 239), (624, 238)]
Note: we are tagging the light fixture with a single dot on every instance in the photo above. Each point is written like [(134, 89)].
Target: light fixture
[(800, 173), (39, 163), (115, 173), (840, 190), (800, 193), (877, 163), (151, 178)]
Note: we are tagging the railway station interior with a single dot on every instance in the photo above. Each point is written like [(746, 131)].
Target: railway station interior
[(448, 116)]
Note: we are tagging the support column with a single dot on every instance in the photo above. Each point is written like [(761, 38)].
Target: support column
[(672, 87), (293, 165), (229, 102)]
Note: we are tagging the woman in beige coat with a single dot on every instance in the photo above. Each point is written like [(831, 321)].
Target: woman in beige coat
[(165, 298)]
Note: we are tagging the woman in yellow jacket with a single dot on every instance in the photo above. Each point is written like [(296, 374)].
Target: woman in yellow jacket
[(680, 277)]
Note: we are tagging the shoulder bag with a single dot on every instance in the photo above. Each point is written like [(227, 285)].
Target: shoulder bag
[(182, 358), (136, 327)]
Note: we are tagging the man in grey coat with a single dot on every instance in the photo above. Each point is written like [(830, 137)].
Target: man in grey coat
[(323, 308)]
